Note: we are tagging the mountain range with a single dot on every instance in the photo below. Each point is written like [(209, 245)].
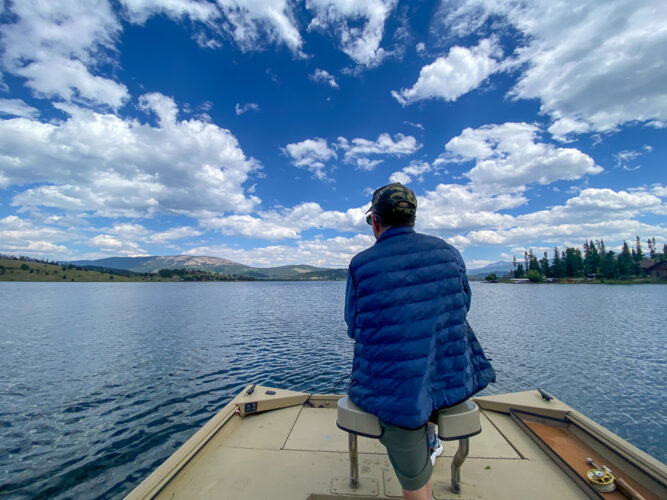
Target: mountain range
[(500, 268), (214, 265), (228, 267)]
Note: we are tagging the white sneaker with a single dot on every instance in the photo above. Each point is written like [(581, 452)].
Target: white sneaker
[(435, 448)]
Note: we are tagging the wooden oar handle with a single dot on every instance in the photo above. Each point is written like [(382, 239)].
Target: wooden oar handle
[(629, 491)]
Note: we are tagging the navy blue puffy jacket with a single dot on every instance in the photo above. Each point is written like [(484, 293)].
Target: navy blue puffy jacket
[(406, 304)]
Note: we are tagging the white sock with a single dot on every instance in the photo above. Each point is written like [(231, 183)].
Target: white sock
[(430, 432)]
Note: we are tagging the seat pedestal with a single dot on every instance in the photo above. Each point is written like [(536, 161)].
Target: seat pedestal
[(457, 463), (356, 421), (459, 422), (354, 460)]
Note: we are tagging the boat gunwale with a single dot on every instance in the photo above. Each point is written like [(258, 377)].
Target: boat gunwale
[(624, 449), (165, 472)]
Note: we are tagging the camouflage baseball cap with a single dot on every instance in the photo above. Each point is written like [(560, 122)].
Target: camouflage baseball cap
[(396, 195)]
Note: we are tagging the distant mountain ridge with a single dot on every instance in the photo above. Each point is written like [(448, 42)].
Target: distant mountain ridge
[(225, 266), (500, 268), (214, 265)]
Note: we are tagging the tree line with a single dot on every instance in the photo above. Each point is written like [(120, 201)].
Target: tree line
[(25, 258), (595, 261), (198, 275)]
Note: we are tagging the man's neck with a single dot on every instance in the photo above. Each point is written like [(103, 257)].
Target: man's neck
[(380, 230), (383, 229)]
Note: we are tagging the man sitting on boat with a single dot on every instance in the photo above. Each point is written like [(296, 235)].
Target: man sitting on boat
[(406, 303)]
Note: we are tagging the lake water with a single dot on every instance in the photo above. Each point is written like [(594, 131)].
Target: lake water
[(101, 382)]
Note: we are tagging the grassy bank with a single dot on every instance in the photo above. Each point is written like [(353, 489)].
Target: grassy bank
[(18, 270), (629, 281)]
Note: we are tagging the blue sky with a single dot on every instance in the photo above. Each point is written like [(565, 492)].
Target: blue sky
[(257, 130)]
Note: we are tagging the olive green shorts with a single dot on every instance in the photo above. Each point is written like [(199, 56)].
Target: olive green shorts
[(408, 454)]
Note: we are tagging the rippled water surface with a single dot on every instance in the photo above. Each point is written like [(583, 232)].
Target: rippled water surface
[(101, 382)]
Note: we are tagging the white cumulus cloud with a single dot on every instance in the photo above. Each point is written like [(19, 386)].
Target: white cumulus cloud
[(251, 106), (357, 150), (17, 107), (140, 10), (448, 78), (57, 46), (510, 156), (128, 230), (593, 68), (116, 246), (416, 169), (592, 214), (342, 17), (594, 206), (331, 252), (23, 237), (173, 234), (311, 154), (102, 164), (247, 21), (288, 222), (562, 234), (451, 209), (323, 76), (660, 190), (250, 226), (250, 23)]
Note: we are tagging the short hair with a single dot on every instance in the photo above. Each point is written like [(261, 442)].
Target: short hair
[(390, 217)]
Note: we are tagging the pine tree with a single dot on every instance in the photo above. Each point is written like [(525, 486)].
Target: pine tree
[(625, 260), (533, 265), (601, 249), (591, 259), (651, 247), (609, 265), (639, 254), (574, 265), (555, 266), (562, 266), (544, 266)]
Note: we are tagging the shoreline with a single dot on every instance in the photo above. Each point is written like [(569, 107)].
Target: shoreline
[(630, 281)]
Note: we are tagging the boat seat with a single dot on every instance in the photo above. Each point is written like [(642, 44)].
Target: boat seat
[(356, 421), (459, 422)]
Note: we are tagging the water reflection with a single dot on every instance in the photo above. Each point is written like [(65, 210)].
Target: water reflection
[(100, 382)]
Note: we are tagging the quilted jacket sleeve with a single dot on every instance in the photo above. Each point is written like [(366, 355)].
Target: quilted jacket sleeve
[(350, 304), (464, 278)]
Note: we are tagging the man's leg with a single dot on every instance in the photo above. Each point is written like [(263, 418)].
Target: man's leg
[(409, 456), (423, 493)]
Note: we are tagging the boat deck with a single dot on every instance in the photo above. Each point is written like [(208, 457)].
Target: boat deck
[(297, 452)]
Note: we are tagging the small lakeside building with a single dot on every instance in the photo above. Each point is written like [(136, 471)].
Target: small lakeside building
[(658, 271)]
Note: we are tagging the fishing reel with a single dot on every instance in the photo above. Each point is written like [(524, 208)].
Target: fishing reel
[(602, 480)]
